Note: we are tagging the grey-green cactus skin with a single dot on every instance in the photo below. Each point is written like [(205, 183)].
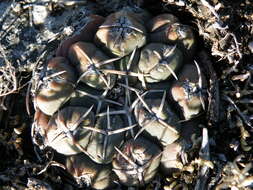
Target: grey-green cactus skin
[(163, 85), (88, 59), (145, 157), (129, 63), (101, 146), (87, 172), (179, 34), (186, 39), (63, 133), (141, 15), (85, 96), (121, 33), (57, 85), (164, 134), (170, 161), (159, 61), (160, 22), (166, 28), (187, 91), (173, 156)]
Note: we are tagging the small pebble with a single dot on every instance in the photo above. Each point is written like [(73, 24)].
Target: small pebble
[(39, 14)]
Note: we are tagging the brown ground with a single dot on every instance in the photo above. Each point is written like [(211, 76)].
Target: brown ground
[(225, 31)]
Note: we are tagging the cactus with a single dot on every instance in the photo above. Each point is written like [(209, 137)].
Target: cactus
[(167, 29), (66, 132), (119, 106), (137, 162), (107, 134), (160, 61), (86, 172), (57, 85), (121, 33), (156, 118), (89, 60), (188, 91)]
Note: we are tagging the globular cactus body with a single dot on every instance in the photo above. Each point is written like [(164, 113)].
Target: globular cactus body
[(66, 131), (137, 162), (121, 33), (160, 122), (86, 172), (89, 60), (167, 29), (101, 145), (160, 61), (58, 80), (188, 91), (122, 62)]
